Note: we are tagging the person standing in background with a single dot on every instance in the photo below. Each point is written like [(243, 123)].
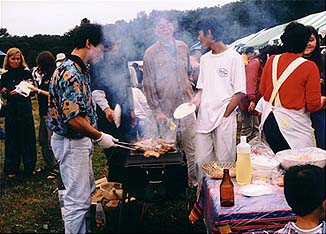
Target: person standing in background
[(20, 141), (248, 55), (249, 116), (195, 54), (139, 74), (72, 118), (59, 59), (167, 85), (143, 113), (221, 84), (46, 65), (111, 86), (318, 118)]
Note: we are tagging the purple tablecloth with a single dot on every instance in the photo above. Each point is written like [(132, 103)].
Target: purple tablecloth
[(249, 214)]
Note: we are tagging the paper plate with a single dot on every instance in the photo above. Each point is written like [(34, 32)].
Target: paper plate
[(23, 88), (183, 110), (252, 190), (117, 115)]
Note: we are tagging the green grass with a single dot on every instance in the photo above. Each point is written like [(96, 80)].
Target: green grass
[(30, 205)]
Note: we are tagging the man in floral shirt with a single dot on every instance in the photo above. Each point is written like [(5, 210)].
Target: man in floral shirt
[(72, 119)]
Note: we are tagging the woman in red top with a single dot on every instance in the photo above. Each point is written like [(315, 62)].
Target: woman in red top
[(286, 118)]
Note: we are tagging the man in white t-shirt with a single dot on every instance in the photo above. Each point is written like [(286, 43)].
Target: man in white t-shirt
[(221, 85)]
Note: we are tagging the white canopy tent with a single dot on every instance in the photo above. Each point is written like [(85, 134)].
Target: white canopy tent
[(272, 35)]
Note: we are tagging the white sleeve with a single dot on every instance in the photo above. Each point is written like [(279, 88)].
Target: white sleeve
[(260, 105), (133, 76), (100, 99), (142, 99), (200, 81), (238, 75)]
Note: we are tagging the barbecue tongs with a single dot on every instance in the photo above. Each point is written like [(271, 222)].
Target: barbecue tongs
[(125, 145)]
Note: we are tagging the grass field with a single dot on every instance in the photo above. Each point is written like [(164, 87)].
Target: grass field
[(30, 205)]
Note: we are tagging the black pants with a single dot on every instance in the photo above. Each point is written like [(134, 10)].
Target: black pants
[(20, 144), (273, 135), (50, 163)]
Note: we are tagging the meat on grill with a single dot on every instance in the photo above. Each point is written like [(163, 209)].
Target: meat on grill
[(155, 147)]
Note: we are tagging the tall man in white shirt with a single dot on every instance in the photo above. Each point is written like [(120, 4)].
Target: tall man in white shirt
[(220, 85)]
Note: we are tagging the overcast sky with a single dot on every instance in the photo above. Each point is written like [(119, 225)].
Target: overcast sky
[(55, 17)]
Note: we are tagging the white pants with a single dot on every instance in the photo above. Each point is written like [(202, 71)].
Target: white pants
[(218, 145), (75, 158), (186, 128)]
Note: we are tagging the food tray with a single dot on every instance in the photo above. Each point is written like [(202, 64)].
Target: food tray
[(309, 155), (214, 170)]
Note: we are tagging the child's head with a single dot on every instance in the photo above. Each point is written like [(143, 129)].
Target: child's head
[(304, 188)]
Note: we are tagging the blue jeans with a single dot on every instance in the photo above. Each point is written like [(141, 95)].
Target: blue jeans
[(75, 161)]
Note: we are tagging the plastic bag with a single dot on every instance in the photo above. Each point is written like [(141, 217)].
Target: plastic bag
[(264, 163)]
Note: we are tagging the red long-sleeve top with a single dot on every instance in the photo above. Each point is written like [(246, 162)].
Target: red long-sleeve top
[(253, 80), (300, 89)]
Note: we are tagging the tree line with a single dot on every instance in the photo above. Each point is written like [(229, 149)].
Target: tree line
[(238, 18)]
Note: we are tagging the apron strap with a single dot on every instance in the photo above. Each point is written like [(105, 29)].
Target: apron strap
[(277, 83)]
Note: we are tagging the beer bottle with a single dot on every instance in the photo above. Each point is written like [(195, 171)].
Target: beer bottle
[(100, 216), (226, 190)]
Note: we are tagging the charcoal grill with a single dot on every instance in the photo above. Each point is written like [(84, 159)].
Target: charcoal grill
[(155, 179), (151, 181)]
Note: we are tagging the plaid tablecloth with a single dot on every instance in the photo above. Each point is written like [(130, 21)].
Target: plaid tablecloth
[(249, 214)]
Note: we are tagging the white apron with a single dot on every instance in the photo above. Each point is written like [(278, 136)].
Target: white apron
[(295, 125)]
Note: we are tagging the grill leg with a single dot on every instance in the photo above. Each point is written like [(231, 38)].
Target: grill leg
[(142, 214)]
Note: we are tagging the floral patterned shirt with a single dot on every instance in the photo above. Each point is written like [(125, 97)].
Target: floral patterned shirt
[(70, 96)]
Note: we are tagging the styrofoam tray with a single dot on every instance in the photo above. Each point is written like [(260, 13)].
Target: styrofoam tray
[(183, 110), (117, 115)]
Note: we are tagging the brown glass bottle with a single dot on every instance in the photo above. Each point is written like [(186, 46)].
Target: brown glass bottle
[(226, 190)]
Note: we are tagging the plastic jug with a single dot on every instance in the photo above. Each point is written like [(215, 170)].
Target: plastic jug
[(243, 164)]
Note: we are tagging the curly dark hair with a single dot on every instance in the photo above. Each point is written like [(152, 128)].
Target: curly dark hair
[(92, 32), (295, 37)]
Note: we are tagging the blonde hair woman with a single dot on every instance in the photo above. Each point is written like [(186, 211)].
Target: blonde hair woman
[(10, 53), (20, 144)]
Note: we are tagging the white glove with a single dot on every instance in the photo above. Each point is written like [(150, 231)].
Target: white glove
[(106, 141)]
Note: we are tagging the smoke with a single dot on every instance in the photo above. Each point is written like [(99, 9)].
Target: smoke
[(127, 42), (137, 35)]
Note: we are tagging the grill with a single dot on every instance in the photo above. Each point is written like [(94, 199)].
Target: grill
[(155, 179), (151, 181)]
